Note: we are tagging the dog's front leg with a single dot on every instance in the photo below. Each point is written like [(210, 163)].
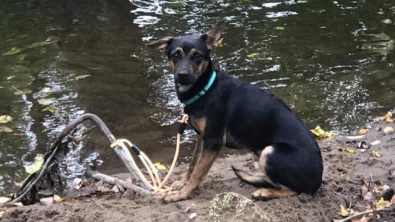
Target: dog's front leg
[(210, 152), (178, 185)]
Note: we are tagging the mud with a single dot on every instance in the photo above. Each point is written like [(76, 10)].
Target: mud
[(341, 185)]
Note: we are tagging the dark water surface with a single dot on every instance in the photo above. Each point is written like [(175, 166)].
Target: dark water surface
[(331, 61)]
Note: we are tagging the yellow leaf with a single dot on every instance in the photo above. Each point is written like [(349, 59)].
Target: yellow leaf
[(342, 174), (343, 211), (349, 150), (279, 28), (1, 213), (159, 166), (49, 109), (36, 165), (57, 198), (363, 131), (253, 55), (5, 119), (321, 134)]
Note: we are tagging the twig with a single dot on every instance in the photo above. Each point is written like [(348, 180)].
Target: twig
[(382, 209)]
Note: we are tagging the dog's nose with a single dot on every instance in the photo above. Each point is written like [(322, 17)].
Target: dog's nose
[(183, 75)]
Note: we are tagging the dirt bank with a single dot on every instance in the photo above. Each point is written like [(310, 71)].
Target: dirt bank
[(342, 185)]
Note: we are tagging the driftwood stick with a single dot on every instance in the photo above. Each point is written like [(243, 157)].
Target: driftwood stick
[(111, 180), (123, 154), (382, 209)]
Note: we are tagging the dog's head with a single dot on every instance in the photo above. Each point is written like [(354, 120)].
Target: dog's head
[(189, 55)]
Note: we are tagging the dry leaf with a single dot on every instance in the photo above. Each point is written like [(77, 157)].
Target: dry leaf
[(362, 131), (387, 117), (82, 77), (47, 201), (376, 153), (1, 213), (388, 130), (343, 211), (45, 102), (376, 142)]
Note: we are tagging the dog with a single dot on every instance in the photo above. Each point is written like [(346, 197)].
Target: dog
[(226, 111)]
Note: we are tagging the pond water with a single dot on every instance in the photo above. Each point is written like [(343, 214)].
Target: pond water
[(332, 62)]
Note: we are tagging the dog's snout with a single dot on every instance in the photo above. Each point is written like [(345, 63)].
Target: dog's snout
[(183, 75)]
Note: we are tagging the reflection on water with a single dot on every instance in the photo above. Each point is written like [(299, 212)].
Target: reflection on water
[(331, 61)]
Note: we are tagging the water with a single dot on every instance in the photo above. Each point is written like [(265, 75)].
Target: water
[(331, 61)]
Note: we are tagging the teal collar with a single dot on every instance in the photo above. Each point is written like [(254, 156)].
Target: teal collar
[(204, 90)]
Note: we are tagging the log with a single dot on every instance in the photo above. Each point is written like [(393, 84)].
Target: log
[(111, 180)]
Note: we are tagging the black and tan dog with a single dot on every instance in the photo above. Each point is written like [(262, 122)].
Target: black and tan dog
[(225, 111)]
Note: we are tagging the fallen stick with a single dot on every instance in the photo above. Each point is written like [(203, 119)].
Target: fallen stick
[(383, 209), (111, 180)]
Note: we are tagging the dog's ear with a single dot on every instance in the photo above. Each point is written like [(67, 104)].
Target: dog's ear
[(212, 36), (161, 44)]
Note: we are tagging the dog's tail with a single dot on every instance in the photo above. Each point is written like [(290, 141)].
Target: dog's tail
[(258, 179)]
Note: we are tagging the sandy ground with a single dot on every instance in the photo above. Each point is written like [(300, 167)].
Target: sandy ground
[(341, 185)]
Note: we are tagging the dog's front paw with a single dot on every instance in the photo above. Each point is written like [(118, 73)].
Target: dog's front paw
[(173, 197), (178, 185)]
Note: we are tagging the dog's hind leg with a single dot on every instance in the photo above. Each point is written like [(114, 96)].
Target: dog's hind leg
[(268, 194), (178, 185)]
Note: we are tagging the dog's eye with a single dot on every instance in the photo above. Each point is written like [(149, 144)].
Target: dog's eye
[(197, 56), (175, 55)]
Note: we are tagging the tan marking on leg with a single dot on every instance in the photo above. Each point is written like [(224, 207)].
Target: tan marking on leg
[(268, 194), (262, 159), (178, 185), (200, 125), (204, 164)]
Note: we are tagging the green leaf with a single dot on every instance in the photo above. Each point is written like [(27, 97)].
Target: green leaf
[(36, 165), (5, 119), (253, 55), (23, 91), (13, 51), (37, 44), (49, 109)]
